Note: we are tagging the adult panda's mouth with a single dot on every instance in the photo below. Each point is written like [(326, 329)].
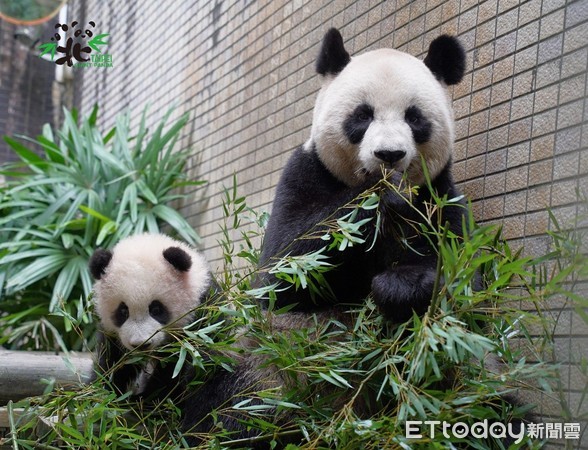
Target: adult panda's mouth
[(382, 160), (378, 170), (375, 174), (364, 174)]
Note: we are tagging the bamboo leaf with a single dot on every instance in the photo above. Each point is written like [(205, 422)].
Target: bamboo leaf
[(97, 41), (48, 47), (180, 363)]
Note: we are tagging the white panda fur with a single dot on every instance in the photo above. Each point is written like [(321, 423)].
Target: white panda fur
[(383, 109), (137, 275)]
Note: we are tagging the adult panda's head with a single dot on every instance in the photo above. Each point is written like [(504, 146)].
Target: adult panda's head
[(385, 107), (147, 282)]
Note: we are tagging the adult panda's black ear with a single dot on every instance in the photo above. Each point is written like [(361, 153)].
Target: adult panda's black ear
[(332, 57), (446, 59), (99, 262), (178, 258)]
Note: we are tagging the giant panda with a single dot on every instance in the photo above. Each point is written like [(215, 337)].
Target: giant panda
[(149, 285), (145, 287), (145, 283), (381, 112)]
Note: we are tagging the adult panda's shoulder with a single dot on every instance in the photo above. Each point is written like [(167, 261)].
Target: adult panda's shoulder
[(299, 204), (304, 165)]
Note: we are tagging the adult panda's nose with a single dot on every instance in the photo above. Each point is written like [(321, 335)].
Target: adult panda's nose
[(390, 156)]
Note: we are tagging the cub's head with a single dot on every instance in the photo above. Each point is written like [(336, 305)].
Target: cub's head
[(146, 282), (384, 107)]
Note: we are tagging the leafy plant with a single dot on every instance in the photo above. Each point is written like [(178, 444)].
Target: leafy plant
[(356, 383), (83, 191)]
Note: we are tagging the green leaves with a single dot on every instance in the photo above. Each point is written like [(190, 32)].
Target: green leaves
[(305, 272), (76, 190), (92, 418)]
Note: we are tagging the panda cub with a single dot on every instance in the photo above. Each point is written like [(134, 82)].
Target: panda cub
[(383, 110), (148, 285), (145, 283)]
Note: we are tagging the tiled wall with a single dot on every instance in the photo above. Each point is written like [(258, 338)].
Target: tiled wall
[(244, 71)]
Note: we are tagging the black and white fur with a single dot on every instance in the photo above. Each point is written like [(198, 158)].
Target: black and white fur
[(148, 285), (381, 110)]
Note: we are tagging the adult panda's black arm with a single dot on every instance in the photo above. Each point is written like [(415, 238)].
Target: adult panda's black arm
[(307, 194), (406, 283), (400, 278)]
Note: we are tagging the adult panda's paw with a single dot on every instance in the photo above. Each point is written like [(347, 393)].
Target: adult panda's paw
[(397, 179), (397, 197), (400, 291)]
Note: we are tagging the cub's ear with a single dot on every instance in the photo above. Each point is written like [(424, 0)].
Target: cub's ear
[(446, 59), (178, 258), (332, 57), (99, 262)]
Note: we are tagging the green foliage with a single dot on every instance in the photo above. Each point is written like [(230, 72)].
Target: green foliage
[(93, 418), (355, 380), (28, 10), (83, 191)]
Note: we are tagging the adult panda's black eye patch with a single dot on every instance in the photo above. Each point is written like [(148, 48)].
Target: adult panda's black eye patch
[(120, 315), (420, 126), (159, 312), (358, 122)]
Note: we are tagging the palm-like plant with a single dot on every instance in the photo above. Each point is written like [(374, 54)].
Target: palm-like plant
[(84, 190)]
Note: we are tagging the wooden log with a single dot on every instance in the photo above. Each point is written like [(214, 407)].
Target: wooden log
[(21, 372)]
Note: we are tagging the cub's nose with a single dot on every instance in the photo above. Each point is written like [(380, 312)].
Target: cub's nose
[(390, 156)]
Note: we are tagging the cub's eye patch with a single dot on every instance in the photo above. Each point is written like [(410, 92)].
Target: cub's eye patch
[(364, 115), (420, 126), (358, 122), (121, 315), (159, 312)]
